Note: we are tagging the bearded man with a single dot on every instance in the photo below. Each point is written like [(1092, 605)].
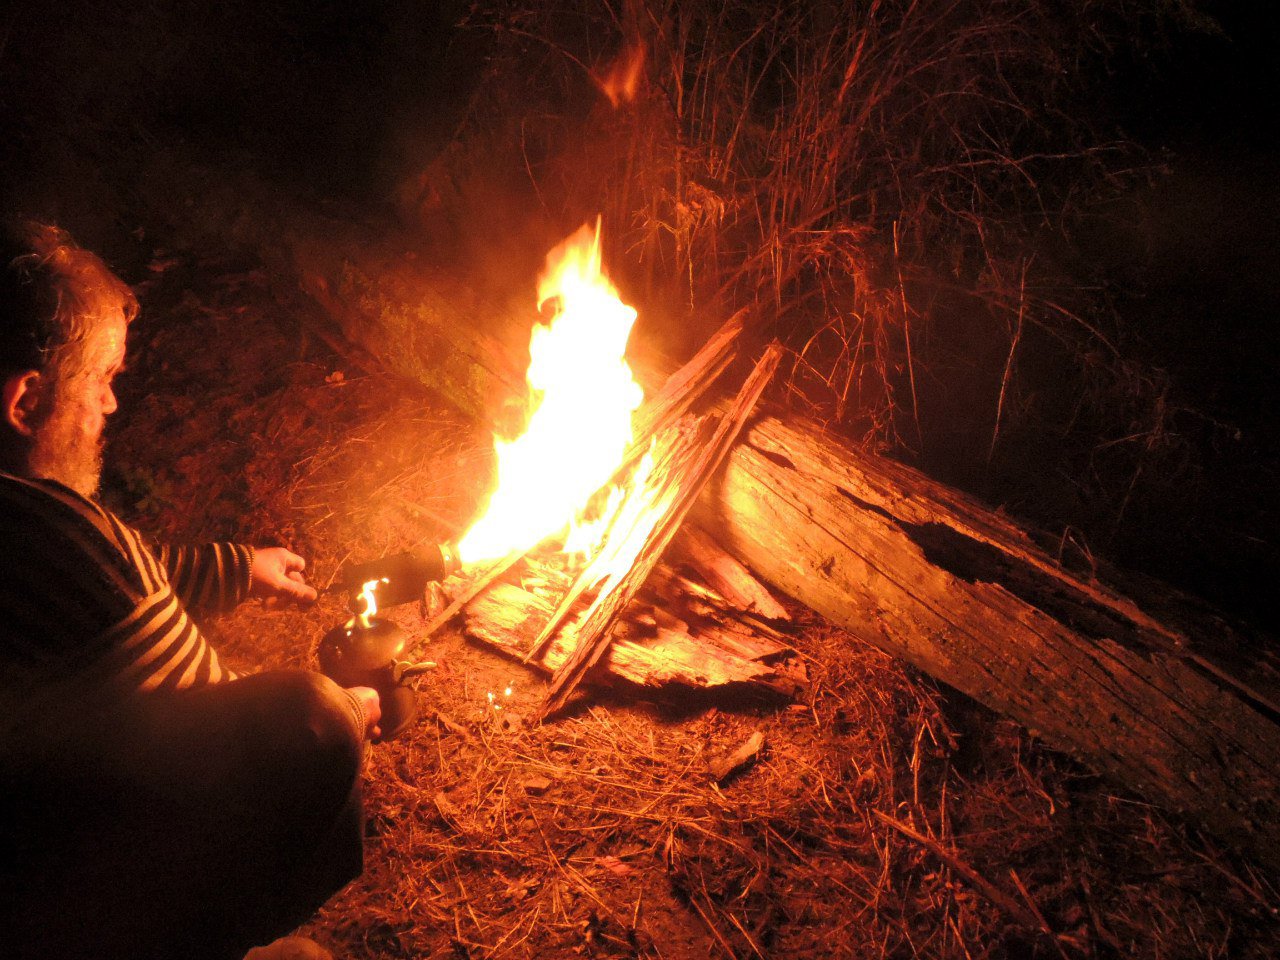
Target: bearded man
[(152, 803)]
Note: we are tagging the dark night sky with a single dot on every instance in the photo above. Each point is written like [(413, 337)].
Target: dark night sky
[(1210, 293)]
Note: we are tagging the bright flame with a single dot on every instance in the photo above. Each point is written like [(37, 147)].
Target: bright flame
[(582, 395), (367, 594), (626, 526)]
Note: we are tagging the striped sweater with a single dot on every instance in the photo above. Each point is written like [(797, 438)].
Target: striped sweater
[(89, 607)]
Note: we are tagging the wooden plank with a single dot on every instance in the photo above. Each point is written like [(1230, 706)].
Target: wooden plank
[(724, 573), (658, 415), (687, 385), (685, 483), (676, 445), (714, 657)]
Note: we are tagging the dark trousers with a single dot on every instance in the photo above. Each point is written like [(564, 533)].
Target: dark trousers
[(192, 824)]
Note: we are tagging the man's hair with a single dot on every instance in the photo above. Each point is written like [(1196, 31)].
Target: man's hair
[(52, 294)]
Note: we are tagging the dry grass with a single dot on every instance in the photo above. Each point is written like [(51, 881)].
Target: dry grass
[(883, 819), (894, 187)]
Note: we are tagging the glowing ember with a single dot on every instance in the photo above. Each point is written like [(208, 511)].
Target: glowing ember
[(581, 395), (493, 698)]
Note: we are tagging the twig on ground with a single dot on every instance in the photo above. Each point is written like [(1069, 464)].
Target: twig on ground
[(988, 889)]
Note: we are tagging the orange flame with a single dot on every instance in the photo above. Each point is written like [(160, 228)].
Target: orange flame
[(582, 396), (621, 81), (367, 594)]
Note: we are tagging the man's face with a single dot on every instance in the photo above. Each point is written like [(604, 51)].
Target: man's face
[(68, 444)]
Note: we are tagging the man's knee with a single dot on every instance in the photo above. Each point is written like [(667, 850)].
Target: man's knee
[(320, 715), (278, 733)]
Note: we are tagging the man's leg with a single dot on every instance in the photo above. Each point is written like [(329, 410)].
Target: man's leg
[(195, 823)]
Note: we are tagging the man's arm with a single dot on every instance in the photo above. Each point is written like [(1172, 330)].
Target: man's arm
[(85, 604), (215, 577), (212, 577)]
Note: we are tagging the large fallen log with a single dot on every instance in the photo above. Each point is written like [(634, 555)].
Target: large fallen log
[(963, 594), (905, 563)]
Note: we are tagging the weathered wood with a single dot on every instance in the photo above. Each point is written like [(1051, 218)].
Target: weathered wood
[(713, 656), (676, 452), (738, 758), (1183, 717), (928, 574), (724, 573), (658, 414), (681, 390)]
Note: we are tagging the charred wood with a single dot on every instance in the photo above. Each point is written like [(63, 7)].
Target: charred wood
[(713, 655)]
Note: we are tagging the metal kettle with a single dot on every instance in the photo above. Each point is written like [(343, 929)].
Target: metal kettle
[(368, 652), (359, 655)]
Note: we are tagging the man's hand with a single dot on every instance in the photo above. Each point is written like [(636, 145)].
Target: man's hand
[(277, 572), (372, 705)]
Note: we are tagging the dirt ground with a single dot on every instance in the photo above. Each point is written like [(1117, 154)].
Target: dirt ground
[(885, 817)]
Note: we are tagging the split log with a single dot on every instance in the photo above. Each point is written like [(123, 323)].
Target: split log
[(1180, 715), (679, 447), (725, 574), (961, 592), (739, 758), (711, 656)]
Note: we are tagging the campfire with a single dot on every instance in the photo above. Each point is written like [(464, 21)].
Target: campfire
[(335, 219), (590, 494), (578, 416)]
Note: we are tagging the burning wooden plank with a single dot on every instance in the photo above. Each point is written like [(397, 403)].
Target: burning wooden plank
[(681, 490), (687, 385), (659, 414), (656, 416)]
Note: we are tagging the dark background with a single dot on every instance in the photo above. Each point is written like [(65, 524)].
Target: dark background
[(1196, 278), (346, 100)]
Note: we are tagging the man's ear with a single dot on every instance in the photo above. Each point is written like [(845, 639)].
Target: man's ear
[(21, 398)]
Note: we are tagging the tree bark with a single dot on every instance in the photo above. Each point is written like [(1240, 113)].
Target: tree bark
[(962, 593), (920, 570)]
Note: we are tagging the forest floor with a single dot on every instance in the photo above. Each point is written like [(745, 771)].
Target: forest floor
[(885, 817)]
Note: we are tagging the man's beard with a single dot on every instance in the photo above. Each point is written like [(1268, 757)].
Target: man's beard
[(63, 450)]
